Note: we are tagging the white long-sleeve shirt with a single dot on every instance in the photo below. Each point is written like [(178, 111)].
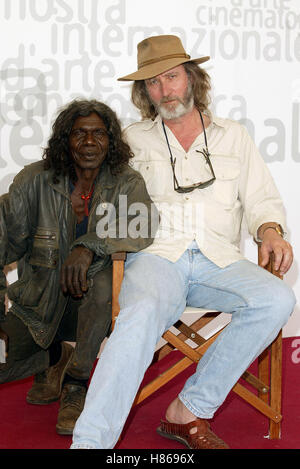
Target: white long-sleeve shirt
[(212, 216)]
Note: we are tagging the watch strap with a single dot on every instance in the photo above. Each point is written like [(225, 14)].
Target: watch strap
[(277, 228)]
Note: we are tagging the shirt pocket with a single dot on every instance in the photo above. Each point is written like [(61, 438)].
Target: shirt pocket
[(225, 188), (157, 173), (45, 249)]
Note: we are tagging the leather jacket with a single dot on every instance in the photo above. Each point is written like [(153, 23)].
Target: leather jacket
[(37, 229)]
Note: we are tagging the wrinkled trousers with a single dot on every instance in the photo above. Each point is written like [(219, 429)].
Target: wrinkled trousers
[(86, 321), (154, 294)]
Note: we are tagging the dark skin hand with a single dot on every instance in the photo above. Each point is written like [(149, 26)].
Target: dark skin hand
[(73, 278)]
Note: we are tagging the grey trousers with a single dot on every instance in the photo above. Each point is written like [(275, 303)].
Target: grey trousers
[(86, 321)]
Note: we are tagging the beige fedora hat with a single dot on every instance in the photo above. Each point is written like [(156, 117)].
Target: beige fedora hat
[(157, 54)]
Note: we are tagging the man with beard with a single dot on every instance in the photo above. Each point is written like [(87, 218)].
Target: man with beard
[(53, 223), (192, 160)]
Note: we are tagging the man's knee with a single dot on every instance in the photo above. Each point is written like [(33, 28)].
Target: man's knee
[(284, 301), (278, 301), (100, 290)]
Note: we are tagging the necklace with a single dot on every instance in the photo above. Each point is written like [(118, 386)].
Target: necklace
[(86, 199)]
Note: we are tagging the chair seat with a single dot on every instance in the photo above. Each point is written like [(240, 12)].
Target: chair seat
[(221, 320), (193, 333), (198, 311)]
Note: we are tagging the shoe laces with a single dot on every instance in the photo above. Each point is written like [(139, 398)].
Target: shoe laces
[(73, 395)]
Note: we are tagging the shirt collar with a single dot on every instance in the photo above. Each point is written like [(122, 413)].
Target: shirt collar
[(220, 122), (216, 120)]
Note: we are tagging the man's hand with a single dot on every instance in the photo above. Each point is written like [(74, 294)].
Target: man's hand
[(73, 279), (283, 252)]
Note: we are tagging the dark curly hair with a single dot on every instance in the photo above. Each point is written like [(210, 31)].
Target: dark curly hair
[(57, 155)]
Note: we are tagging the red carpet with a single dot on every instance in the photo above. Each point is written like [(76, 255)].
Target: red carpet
[(25, 426)]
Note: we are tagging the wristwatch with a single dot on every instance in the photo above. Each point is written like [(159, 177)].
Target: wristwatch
[(277, 228)]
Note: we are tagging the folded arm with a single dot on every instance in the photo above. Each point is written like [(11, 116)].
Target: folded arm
[(129, 226)]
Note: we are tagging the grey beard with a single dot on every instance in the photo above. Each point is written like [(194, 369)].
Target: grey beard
[(181, 109)]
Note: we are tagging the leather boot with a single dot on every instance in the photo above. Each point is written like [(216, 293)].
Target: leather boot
[(47, 384), (71, 405)]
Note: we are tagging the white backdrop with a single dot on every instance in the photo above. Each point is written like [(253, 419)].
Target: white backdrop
[(55, 50)]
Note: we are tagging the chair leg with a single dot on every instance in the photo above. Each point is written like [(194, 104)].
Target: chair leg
[(276, 384), (264, 373), (270, 374)]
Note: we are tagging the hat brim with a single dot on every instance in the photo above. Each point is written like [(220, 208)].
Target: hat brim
[(151, 70)]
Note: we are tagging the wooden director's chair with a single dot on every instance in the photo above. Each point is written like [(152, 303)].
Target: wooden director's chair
[(266, 394)]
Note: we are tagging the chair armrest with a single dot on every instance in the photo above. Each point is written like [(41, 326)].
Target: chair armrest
[(270, 265), (118, 259), (119, 256)]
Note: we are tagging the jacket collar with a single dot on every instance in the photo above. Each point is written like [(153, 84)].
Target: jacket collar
[(104, 180)]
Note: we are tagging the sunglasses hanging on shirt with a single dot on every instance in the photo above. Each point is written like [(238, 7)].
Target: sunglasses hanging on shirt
[(204, 152)]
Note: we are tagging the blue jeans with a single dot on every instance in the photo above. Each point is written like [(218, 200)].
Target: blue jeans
[(154, 294)]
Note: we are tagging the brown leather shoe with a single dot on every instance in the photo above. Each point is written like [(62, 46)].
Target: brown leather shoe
[(71, 405), (47, 384), (203, 438)]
